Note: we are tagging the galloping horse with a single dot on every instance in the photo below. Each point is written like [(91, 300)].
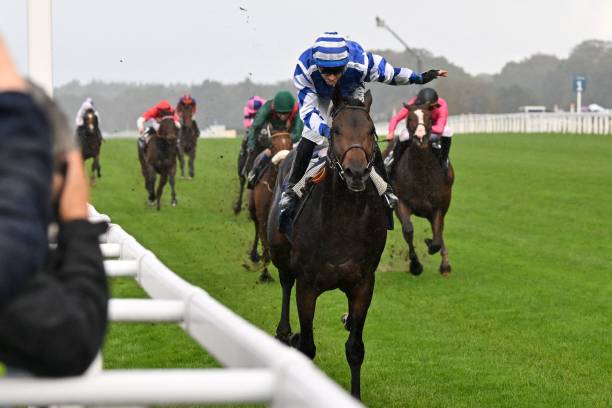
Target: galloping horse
[(188, 140), (90, 139), (423, 188), (338, 234), (245, 165), (260, 198), (159, 156)]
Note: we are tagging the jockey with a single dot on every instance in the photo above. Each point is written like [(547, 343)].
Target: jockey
[(439, 116), (250, 110), (184, 101), (281, 113), (87, 104), (148, 122), (332, 60)]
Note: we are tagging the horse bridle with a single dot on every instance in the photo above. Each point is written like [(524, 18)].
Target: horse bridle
[(331, 155)]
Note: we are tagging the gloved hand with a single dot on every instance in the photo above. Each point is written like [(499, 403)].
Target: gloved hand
[(430, 75)]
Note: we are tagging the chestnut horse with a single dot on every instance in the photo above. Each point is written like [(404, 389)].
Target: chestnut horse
[(188, 140), (90, 139), (338, 235), (159, 157), (423, 187), (260, 198)]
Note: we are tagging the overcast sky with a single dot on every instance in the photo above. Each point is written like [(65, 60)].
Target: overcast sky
[(191, 40)]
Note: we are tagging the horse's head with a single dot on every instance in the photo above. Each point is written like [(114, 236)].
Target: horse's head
[(90, 120), (187, 115), (167, 129), (419, 124), (352, 139), (280, 141)]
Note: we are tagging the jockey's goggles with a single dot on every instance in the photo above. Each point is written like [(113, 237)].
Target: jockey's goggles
[(332, 70)]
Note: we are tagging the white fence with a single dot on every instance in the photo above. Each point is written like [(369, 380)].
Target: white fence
[(259, 369), (588, 123)]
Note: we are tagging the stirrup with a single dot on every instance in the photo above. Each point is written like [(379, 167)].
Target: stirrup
[(390, 199)]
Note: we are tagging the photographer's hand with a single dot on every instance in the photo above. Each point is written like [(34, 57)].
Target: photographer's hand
[(75, 192)]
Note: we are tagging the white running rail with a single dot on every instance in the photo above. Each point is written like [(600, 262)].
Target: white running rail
[(585, 123), (259, 369)]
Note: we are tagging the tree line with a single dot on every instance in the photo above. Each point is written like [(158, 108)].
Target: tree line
[(538, 80)]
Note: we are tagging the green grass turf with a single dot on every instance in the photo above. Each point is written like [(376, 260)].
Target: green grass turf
[(524, 320)]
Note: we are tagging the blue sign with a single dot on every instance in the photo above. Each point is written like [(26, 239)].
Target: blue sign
[(579, 83)]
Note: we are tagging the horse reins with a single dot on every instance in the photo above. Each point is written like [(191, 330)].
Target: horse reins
[(332, 155)]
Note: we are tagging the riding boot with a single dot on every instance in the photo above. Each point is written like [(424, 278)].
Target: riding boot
[(289, 198), (389, 196), (257, 171), (445, 143)]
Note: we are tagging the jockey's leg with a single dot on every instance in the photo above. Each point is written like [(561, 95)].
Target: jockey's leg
[(388, 195), (445, 145), (258, 168), (289, 197)]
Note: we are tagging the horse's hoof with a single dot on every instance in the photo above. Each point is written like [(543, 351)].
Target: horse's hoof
[(416, 268), (294, 340), (174, 203), (150, 203), (284, 338), (265, 276), (431, 248), (344, 320), (445, 270), (237, 208), (254, 256)]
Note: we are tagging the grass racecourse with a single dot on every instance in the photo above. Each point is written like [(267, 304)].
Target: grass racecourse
[(524, 320)]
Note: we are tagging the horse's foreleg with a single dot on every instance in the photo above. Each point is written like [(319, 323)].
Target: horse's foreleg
[(283, 330), (359, 302), (163, 179), (98, 167), (150, 178), (437, 224), (253, 255), (181, 160), (306, 298), (263, 237), (92, 177), (192, 155), (404, 213), (445, 268), (173, 201), (242, 159)]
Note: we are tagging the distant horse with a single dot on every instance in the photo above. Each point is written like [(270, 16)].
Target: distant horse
[(159, 157), (245, 165), (338, 235), (188, 140), (260, 199), (90, 139), (423, 187)]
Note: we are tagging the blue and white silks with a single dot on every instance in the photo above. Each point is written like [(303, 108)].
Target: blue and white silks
[(314, 95)]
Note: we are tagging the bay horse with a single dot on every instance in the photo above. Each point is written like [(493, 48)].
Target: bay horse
[(260, 198), (90, 138), (245, 163), (423, 187), (338, 235), (159, 157), (188, 140)]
